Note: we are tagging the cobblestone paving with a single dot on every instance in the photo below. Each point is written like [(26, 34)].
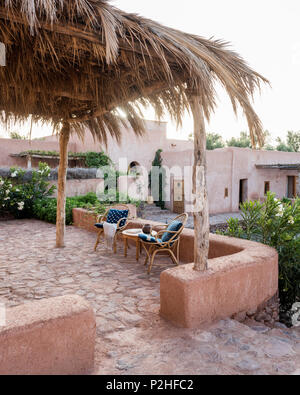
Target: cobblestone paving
[(131, 336)]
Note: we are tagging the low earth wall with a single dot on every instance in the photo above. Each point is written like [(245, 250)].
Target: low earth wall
[(85, 219), (235, 284), (52, 336), (242, 277), (80, 187)]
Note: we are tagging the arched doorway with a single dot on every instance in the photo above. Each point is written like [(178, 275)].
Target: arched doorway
[(134, 169)]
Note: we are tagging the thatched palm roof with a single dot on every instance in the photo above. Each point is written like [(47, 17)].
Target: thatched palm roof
[(78, 60)]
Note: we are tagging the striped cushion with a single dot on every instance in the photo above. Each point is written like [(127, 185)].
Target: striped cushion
[(174, 227)]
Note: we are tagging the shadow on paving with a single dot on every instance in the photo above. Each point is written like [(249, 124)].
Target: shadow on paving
[(132, 338)]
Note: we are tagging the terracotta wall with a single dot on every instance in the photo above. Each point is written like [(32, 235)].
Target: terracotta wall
[(80, 187), (132, 148), (242, 276), (86, 220), (235, 283), (10, 146), (226, 167), (49, 337)]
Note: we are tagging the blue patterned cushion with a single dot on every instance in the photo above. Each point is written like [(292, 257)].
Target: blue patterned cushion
[(114, 216), (174, 227), (148, 238), (99, 226)]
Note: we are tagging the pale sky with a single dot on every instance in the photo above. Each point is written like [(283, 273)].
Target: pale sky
[(266, 33)]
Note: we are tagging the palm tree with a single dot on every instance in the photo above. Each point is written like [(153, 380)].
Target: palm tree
[(75, 62)]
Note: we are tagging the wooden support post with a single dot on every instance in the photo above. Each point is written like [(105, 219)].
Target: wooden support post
[(29, 162), (200, 198), (64, 137)]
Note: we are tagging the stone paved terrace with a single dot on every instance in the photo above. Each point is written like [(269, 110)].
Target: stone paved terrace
[(131, 336), (165, 216)]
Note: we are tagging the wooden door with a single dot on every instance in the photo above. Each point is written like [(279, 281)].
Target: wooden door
[(243, 191), (178, 198), (291, 193)]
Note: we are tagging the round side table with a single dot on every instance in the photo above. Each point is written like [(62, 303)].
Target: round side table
[(133, 234)]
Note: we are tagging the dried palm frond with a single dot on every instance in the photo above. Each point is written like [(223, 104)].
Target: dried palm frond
[(79, 60)]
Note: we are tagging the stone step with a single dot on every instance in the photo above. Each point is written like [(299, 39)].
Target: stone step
[(156, 213)]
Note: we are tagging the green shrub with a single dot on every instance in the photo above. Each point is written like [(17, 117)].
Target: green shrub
[(96, 159), (17, 196), (92, 159), (277, 224), (45, 209)]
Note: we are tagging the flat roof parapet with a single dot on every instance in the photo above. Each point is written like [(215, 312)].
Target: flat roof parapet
[(294, 166)]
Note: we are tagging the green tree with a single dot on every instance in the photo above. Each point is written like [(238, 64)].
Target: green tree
[(214, 141), (158, 163), (291, 144), (268, 146), (16, 136), (243, 141), (282, 146), (293, 140)]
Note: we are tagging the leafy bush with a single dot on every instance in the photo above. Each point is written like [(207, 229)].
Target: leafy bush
[(45, 209), (17, 196), (277, 224), (96, 160), (92, 159), (112, 196)]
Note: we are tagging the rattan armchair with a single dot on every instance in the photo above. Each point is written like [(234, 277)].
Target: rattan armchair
[(156, 245), (103, 218)]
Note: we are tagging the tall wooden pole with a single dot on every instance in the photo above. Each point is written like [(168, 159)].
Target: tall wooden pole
[(200, 198), (64, 137)]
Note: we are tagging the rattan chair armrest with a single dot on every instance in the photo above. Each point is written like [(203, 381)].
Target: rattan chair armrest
[(103, 217), (122, 227), (161, 226), (162, 232), (100, 218)]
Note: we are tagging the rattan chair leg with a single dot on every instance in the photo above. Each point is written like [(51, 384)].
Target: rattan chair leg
[(115, 243), (175, 261), (178, 249), (152, 261), (148, 254), (98, 239)]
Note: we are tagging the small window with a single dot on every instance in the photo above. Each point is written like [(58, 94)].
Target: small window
[(267, 187), (226, 193)]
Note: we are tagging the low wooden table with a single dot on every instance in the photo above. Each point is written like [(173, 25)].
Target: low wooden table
[(133, 234)]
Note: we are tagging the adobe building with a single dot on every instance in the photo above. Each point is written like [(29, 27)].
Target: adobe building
[(234, 174)]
